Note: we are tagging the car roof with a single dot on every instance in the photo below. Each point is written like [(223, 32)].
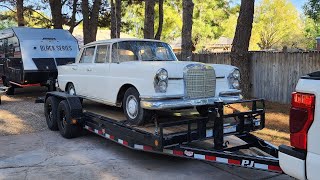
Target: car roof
[(110, 41)]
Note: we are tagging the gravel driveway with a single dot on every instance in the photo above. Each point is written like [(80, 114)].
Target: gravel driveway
[(19, 114), (28, 150)]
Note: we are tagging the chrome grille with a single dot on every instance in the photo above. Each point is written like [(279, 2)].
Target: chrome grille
[(200, 81)]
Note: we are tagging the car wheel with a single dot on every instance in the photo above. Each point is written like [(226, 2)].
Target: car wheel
[(50, 112), (132, 109), (202, 110), (66, 129), (71, 89)]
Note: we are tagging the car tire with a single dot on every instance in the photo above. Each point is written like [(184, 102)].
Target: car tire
[(66, 129), (132, 109), (50, 112), (202, 110)]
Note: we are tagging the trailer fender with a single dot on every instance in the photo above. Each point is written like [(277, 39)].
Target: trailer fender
[(74, 104)]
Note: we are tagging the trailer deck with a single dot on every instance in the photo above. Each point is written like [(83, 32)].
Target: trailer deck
[(221, 137)]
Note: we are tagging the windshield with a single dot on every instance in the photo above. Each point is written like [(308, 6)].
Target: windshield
[(142, 50)]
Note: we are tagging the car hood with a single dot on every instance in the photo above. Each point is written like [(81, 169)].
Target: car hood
[(175, 68)]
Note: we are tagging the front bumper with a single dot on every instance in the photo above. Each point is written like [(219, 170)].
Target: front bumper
[(181, 103), (292, 161)]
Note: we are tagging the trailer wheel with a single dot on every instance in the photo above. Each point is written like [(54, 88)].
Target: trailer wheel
[(10, 91), (50, 112), (132, 109), (66, 129), (202, 110)]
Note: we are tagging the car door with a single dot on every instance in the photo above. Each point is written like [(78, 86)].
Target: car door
[(99, 73), (83, 68)]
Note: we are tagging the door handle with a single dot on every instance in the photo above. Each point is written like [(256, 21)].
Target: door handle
[(74, 68), (89, 69)]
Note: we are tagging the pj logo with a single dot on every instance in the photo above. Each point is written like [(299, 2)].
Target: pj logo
[(247, 163)]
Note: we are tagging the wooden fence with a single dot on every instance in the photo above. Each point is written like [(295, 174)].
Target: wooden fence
[(274, 75)]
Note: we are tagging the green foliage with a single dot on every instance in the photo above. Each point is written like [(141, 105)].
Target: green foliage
[(32, 18), (208, 17), (7, 24), (172, 23), (277, 23), (312, 9)]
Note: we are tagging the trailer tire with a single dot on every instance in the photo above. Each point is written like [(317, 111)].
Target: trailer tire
[(135, 115), (202, 110), (10, 91), (66, 129), (50, 112)]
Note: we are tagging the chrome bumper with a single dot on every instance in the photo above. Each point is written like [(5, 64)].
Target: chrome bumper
[(180, 103)]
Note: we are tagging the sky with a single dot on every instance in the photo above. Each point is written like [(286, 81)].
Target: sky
[(299, 4)]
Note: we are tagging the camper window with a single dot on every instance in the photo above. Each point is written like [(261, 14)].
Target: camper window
[(87, 55)]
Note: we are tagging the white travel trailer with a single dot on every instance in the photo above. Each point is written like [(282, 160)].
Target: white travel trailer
[(30, 56)]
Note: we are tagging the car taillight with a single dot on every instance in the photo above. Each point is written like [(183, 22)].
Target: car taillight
[(301, 118)]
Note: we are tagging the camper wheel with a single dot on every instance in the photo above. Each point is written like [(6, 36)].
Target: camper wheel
[(10, 91)]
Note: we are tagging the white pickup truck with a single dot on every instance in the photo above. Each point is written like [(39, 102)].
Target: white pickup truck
[(302, 159)]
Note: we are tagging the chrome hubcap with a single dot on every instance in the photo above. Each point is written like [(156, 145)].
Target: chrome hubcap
[(132, 107), (72, 91)]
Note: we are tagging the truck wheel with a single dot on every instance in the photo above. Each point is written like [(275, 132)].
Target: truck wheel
[(132, 109), (202, 110), (10, 91), (66, 129), (71, 89), (50, 112)]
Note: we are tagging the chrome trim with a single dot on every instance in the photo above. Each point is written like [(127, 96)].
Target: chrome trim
[(230, 93), (181, 103), (161, 97), (197, 66)]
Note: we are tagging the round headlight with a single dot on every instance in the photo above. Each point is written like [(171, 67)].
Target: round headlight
[(236, 84), (236, 74), (162, 86), (162, 74)]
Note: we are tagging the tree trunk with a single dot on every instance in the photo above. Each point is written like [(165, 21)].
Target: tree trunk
[(56, 7), (73, 23), (90, 20), (20, 10), (115, 18), (148, 30), (186, 44), (239, 51), (159, 31)]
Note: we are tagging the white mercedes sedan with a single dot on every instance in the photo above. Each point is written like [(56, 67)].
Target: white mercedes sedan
[(142, 76)]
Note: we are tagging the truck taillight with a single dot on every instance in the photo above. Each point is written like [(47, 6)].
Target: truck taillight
[(301, 118)]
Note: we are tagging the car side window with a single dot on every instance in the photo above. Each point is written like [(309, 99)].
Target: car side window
[(102, 54), (123, 52), (87, 55)]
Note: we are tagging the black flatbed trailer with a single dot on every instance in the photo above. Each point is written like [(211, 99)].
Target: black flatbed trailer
[(221, 137)]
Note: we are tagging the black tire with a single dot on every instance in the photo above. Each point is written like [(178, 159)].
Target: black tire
[(66, 129), (51, 86), (10, 91), (50, 112), (202, 110), (142, 115), (69, 89)]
